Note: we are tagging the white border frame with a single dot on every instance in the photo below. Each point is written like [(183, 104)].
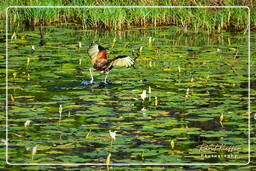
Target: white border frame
[(129, 164)]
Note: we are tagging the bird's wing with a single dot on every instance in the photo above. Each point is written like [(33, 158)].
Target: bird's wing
[(93, 50), (123, 61)]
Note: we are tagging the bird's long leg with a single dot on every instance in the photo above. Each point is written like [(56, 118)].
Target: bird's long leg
[(105, 80), (91, 75)]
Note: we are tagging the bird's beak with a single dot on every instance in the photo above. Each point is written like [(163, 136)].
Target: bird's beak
[(107, 50)]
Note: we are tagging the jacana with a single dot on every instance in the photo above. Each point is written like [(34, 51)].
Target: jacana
[(101, 63)]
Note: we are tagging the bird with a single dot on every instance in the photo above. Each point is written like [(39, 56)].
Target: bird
[(101, 63)]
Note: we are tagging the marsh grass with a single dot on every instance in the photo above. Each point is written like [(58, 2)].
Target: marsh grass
[(122, 18)]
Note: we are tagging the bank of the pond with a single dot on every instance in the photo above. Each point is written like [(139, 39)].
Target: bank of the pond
[(123, 18)]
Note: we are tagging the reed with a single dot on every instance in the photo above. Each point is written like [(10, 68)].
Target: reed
[(122, 18)]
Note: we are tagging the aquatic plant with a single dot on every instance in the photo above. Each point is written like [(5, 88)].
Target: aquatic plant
[(143, 95), (27, 123), (121, 18), (112, 136), (33, 153), (148, 127), (108, 160), (60, 111)]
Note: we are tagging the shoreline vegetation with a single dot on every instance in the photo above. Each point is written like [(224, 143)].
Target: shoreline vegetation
[(196, 19)]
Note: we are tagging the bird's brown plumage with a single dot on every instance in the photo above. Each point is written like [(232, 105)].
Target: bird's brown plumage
[(98, 55)]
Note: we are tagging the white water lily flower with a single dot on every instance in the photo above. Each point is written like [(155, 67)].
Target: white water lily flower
[(79, 44), (150, 40), (143, 109), (33, 47), (34, 149), (14, 75), (27, 123), (140, 49), (114, 40), (60, 111), (28, 60), (188, 90), (112, 135), (156, 101), (4, 141), (144, 95)]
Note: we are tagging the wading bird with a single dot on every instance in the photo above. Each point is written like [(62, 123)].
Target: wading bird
[(101, 63)]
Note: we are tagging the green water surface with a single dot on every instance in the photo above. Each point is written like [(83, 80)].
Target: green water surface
[(199, 95)]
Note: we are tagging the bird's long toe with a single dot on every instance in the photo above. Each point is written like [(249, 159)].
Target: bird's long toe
[(85, 82), (107, 82)]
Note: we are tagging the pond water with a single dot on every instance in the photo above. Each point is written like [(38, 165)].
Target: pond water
[(197, 93)]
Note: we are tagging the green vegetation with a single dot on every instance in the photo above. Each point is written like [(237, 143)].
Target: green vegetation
[(122, 18), (196, 92), (196, 85)]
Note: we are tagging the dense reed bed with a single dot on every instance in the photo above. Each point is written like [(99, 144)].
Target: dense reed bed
[(121, 18)]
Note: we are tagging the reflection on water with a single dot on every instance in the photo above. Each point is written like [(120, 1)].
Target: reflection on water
[(195, 95)]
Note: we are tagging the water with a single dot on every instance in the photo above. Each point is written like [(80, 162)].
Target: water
[(198, 96)]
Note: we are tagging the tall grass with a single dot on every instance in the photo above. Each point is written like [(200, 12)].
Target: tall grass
[(121, 18)]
